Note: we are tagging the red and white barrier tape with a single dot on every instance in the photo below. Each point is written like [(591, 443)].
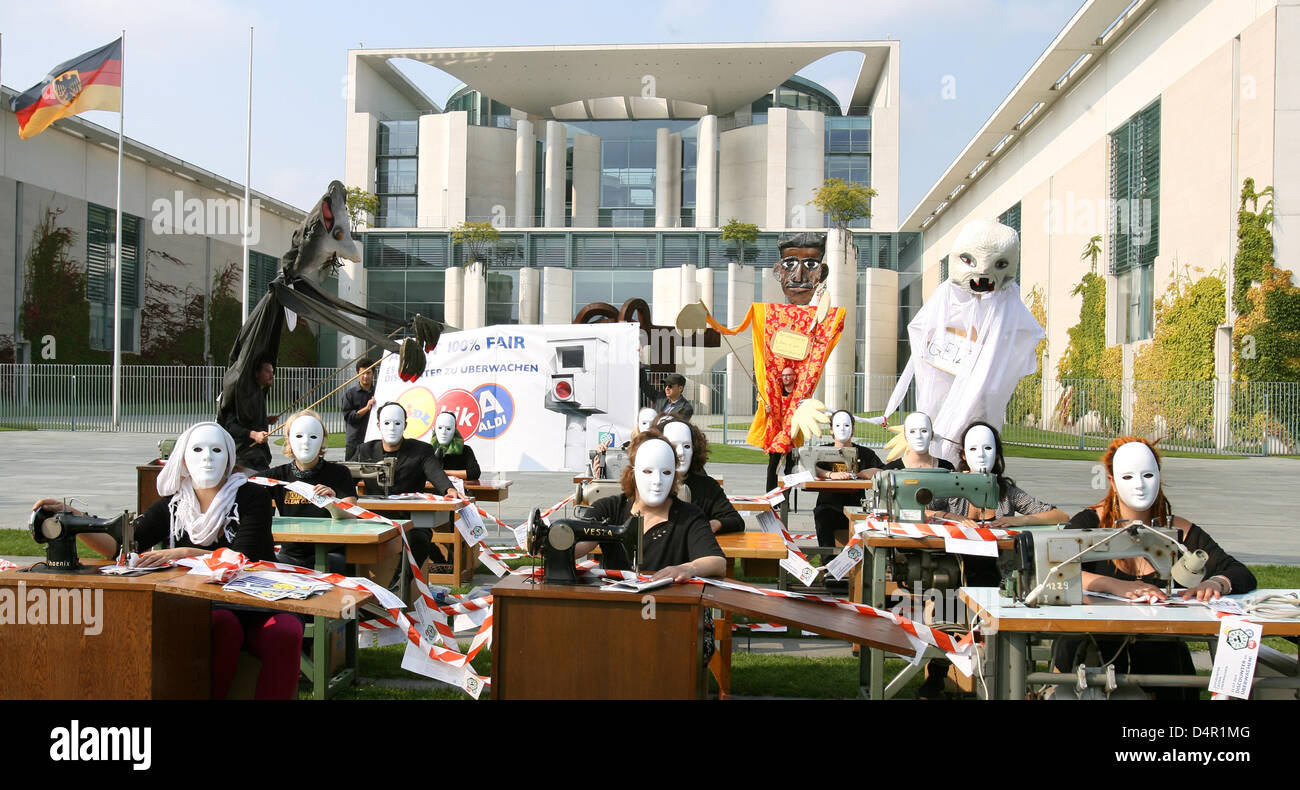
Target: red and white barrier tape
[(937, 529)]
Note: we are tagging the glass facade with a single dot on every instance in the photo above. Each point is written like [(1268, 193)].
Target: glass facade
[(848, 155), (396, 163), (481, 110)]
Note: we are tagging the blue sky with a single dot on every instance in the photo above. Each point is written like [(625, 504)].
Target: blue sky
[(187, 80)]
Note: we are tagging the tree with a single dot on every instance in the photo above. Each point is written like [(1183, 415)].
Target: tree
[(740, 232), (480, 237), (362, 205), (54, 298), (1267, 330), (843, 202), (1091, 252)]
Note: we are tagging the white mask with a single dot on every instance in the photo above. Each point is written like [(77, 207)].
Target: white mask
[(918, 431), (1137, 475), (392, 424), (444, 428), (980, 449), (655, 468), (985, 257), (679, 435), (306, 435), (842, 426), (644, 418), (206, 458)]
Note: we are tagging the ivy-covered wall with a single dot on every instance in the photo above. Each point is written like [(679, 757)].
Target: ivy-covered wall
[(1266, 334)]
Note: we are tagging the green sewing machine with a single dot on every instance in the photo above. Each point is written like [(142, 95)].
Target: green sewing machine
[(905, 494)]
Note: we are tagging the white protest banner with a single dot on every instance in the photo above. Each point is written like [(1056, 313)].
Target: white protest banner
[(525, 397)]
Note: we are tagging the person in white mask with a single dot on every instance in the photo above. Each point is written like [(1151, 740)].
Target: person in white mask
[(678, 542), (692, 453), (206, 506), (982, 452), (919, 433), (457, 457), (305, 446), (1135, 494), (416, 464), (828, 514)]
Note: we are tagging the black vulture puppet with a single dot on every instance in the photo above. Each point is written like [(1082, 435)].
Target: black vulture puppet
[(323, 238)]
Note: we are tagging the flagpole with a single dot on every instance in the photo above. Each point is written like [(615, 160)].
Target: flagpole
[(117, 265), (248, 173)]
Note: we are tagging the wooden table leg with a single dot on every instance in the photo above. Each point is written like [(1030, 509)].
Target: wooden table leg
[(720, 664)]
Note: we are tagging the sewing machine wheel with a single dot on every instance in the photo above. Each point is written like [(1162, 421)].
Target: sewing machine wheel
[(561, 537), (51, 527)]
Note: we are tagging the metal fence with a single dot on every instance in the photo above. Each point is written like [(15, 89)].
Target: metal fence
[(1197, 416), (163, 399)]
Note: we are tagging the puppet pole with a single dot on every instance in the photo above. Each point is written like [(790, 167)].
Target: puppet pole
[(337, 370), (355, 376)]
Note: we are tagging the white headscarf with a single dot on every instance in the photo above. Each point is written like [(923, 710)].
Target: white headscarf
[(187, 517)]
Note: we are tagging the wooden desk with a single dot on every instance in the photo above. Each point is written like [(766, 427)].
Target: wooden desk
[(364, 542), (1009, 625), (151, 645), (761, 552), (842, 486), (557, 641), (423, 514), (146, 485), (154, 642)]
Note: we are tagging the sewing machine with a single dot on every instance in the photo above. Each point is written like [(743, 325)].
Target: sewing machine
[(590, 492), (1047, 568), (903, 494), (59, 531), (611, 463), (620, 543), (378, 474), (829, 457)]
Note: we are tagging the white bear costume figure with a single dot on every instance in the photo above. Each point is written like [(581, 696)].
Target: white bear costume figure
[(973, 339)]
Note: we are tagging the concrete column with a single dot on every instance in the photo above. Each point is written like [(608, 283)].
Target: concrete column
[(880, 324), (704, 293), (663, 179), (586, 180), (525, 173), (706, 173), (553, 190), (666, 287), (453, 292), (675, 179), (530, 281), (690, 289), (842, 290), (1222, 409), (777, 133), (475, 304), (557, 295), (740, 295), (441, 170)]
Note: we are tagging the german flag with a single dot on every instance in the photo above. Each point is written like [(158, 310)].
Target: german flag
[(92, 81)]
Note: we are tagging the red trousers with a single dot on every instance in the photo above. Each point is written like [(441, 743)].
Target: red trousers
[(275, 639)]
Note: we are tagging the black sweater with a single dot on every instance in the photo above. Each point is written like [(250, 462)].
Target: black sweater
[(1221, 563), (709, 497), (684, 537), (289, 503), (250, 535), (415, 465), (461, 462)]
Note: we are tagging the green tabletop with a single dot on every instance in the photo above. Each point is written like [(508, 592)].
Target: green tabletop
[(333, 530)]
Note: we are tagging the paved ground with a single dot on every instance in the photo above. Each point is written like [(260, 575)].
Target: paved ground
[(1250, 505)]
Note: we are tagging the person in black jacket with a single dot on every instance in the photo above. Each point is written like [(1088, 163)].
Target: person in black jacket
[(673, 402), (246, 420), (456, 457), (416, 464), (358, 402), (692, 453), (206, 505), (1135, 494), (305, 446)]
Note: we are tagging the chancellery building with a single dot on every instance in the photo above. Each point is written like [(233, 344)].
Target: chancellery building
[(609, 170)]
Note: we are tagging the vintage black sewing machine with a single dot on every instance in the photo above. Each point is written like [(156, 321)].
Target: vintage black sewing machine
[(620, 543), (377, 474), (59, 531)]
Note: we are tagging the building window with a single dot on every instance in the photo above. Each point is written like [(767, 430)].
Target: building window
[(943, 269), (402, 293), (396, 164), (848, 154), (101, 230), (1134, 221), (262, 269), (1011, 218), (501, 304), (612, 286)]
